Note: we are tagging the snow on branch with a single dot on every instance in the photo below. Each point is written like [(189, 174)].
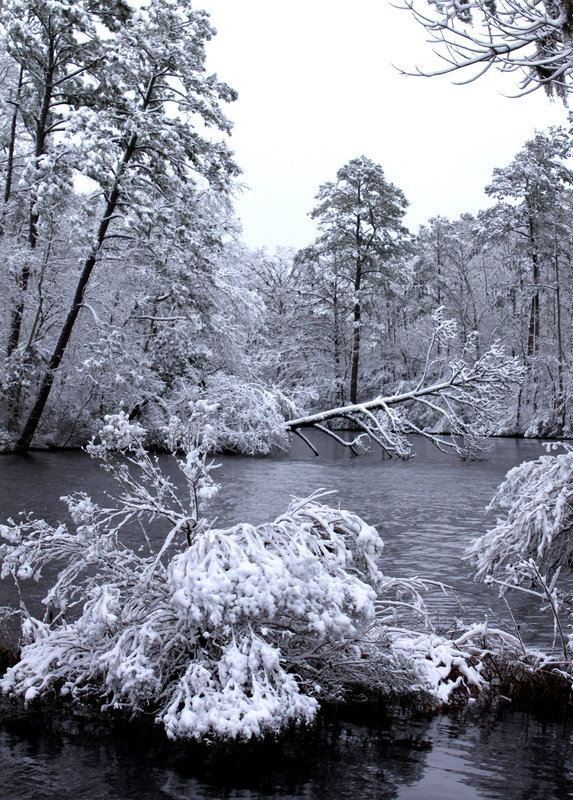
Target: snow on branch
[(534, 38), (535, 502), (217, 633), (455, 412), (531, 542)]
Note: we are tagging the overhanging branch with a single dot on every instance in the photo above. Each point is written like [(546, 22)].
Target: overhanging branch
[(455, 413)]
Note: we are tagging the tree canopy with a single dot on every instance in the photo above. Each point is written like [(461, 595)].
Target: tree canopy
[(361, 231)]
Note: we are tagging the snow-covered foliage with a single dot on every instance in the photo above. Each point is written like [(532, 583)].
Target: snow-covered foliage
[(531, 543), (535, 499), (244, 416), (217, 633)]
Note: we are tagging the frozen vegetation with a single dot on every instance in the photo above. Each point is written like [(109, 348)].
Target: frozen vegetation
[(245, 631)]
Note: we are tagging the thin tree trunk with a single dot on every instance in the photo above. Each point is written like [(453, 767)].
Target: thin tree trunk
[(560, 399), (357, 312), (12, 146), (533, 327), (17, 316), (35, 415), (355, 353)]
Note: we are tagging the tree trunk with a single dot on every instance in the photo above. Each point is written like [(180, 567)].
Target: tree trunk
[(35, 415), (560, 399), (12, 145), (357, 311), (41, 140), (533, 327), (355, 353)]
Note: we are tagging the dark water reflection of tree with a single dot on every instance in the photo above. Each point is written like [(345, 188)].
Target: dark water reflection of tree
[(507, 755), (64, 756)]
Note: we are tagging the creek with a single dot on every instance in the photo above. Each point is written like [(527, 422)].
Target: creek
[(427, 510)]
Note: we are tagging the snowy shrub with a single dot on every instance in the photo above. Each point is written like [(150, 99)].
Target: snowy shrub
[(217, 633), (535, 498), (248, 417), (531, 543), (6, 440)]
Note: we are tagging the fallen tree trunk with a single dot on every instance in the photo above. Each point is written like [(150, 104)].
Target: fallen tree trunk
[(457, 412)]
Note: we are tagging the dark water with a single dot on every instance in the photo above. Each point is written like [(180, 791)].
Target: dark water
[(427, 511), (443, 758)]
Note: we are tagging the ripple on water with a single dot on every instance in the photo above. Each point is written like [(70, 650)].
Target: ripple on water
[(509, 755)]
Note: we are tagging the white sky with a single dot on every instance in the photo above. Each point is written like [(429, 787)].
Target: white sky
[(317, 87)]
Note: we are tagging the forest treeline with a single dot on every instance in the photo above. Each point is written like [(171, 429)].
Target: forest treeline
[(126, 286)]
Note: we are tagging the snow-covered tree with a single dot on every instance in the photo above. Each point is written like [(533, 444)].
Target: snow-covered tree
[(361, 234), (454, 270), (52, 54), (54, 49), (531, 229), (138, 133), (531, 544)]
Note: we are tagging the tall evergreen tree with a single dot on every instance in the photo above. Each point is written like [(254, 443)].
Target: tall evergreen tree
[(360, 222)]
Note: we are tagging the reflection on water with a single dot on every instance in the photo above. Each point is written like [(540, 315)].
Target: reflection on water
[(444, 758), (427, 511)]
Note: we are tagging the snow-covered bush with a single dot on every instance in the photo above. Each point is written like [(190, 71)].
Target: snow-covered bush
[(217, 633), (536, 501), (248, 417), (532, 540)]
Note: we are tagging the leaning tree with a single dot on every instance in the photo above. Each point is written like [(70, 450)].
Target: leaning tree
[(136, 127)]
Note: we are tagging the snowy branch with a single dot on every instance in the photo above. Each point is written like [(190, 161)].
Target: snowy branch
[(532, 37), (455, 413)]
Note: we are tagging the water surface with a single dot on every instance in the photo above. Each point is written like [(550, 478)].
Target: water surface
[(427, 511)]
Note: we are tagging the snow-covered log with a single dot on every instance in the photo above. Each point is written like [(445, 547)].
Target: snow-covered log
[(466, 402)]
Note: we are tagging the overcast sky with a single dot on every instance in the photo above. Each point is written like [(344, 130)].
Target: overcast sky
[(317, 87)]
